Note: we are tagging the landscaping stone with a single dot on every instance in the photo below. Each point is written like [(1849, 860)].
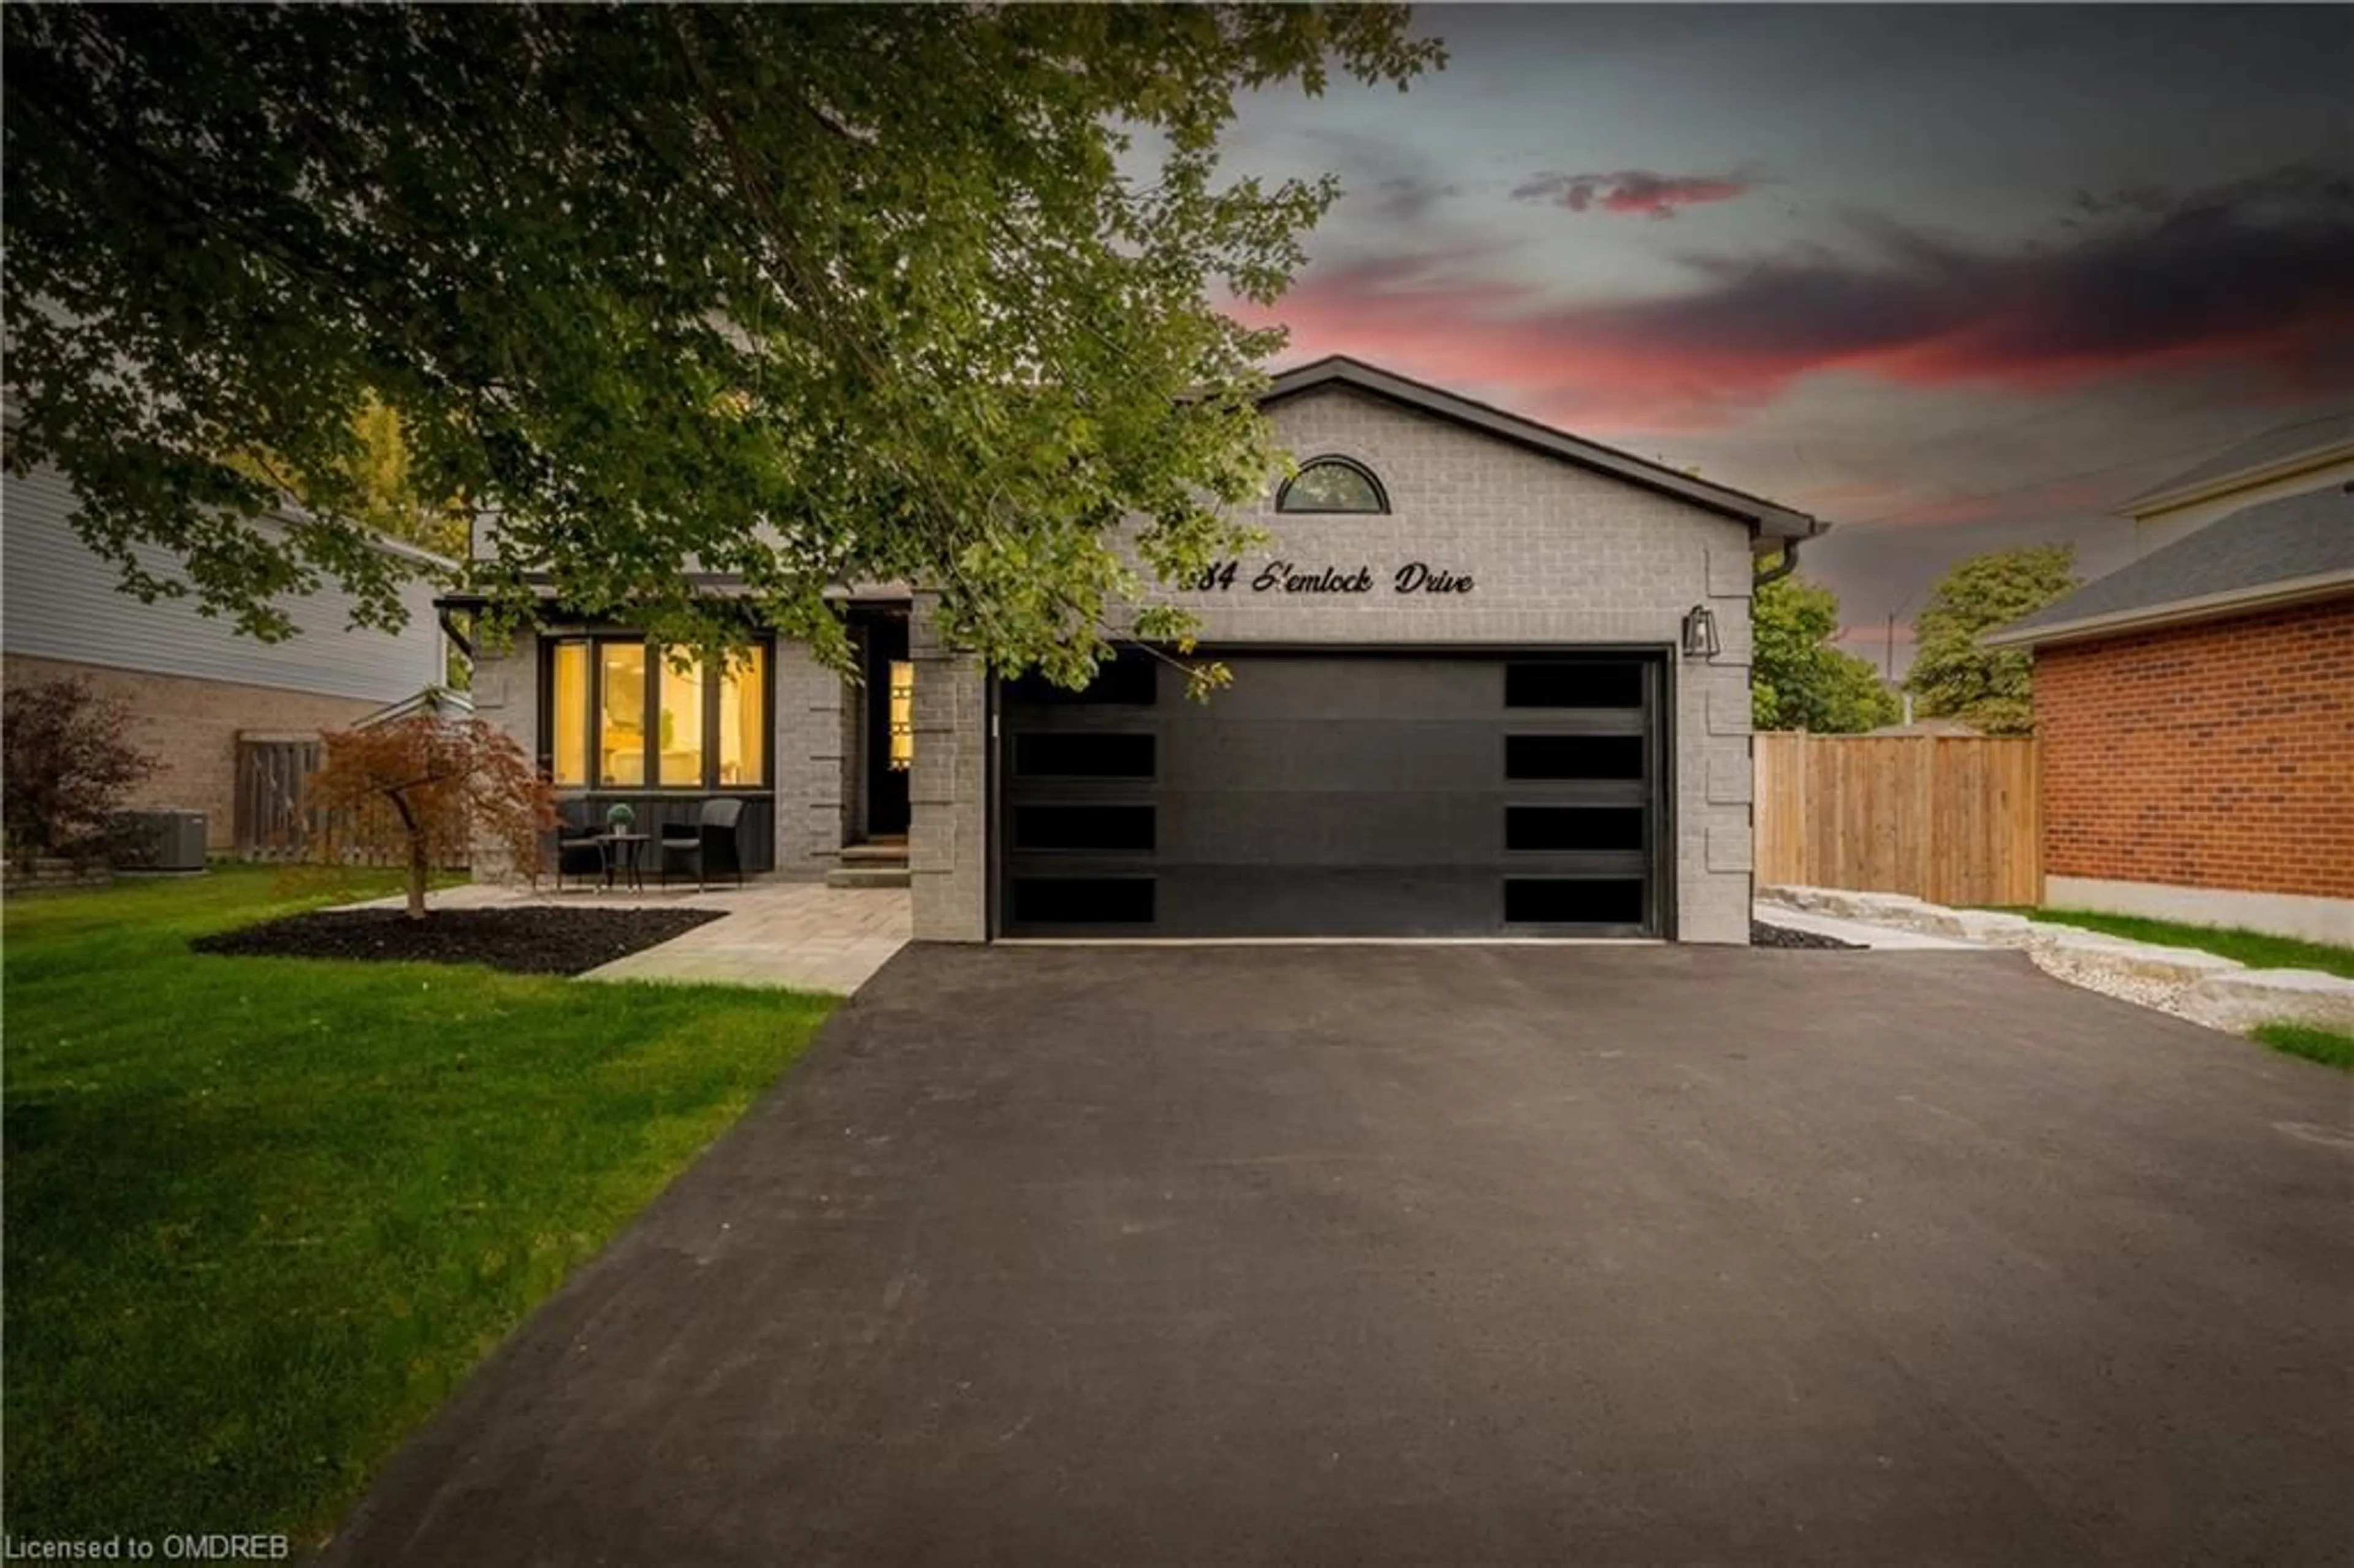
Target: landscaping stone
[(1845, 904), (2077, 967), (1990, 927), (2138, 961), (2242, 1000), (2181, 980), (1897, 908)]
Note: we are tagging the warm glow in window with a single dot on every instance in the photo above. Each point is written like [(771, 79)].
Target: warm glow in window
[(741, 697), (569, 715), (680, 741), (903, 716), (621, 724)]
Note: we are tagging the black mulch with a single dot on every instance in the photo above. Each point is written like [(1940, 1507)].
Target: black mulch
[(532, 940), (1761, 934)]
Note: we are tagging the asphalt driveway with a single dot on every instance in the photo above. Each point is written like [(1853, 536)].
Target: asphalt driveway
[(1451, 1254)]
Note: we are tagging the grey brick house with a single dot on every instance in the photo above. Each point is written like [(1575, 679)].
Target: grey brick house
[(1488, 680)]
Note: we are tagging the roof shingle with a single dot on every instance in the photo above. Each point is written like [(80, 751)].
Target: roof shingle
[(2287, 540), (2275, 445)]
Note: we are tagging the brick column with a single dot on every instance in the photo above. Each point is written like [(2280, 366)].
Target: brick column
[(809, 700), (948, 859), (506, 695)]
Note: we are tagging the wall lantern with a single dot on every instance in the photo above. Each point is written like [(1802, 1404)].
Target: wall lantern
[(1699, 632)]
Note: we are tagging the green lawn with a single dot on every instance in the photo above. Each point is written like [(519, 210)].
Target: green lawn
[(2254, 949), (262, 1215), (2325, 1045)]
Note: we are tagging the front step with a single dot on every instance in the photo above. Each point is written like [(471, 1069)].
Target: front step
[(869, 876), (877, 852)]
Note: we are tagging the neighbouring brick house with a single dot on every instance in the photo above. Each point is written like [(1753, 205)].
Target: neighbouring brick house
[(1489, 679), (2196, 713), (193, 684)]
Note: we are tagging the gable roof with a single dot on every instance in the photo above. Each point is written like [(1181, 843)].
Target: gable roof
[(1766, 519), (2282, 446), (2289, 550)]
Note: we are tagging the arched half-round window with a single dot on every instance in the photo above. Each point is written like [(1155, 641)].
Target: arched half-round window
[(1331, 484)]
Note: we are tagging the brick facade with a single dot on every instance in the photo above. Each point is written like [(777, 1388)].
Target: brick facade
[(2218, 755), (1563, 556), (190, 726)]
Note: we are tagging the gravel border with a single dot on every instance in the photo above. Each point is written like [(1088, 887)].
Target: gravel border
[(2165, 996)]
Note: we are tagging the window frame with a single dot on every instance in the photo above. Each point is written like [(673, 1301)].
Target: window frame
[(1380, 508), (713, 690)]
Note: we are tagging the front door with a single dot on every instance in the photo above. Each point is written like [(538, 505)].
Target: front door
[(890, 728)]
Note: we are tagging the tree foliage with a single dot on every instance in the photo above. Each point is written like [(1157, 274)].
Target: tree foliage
[(1797, 679), (375, 478), (427, 788), (801, 294), (69, 765), (1992, 688)]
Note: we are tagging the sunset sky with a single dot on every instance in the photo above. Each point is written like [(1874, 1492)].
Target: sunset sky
[(1951, 278)]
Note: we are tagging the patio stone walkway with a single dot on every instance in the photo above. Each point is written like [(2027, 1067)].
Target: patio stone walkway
[(799, 936)]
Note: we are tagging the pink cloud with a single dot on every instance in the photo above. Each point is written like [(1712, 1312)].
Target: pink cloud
[(1632, 191), (2226, 283)]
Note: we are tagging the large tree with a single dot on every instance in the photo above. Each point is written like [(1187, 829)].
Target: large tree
[(797, 294), (1992, 688), (1797, 679)]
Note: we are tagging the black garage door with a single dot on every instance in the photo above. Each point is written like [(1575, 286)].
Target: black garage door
[(1337, 795)]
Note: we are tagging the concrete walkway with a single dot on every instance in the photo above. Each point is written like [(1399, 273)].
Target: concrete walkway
[(798, 935)]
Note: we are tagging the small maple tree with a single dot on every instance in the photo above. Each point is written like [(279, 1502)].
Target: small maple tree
[(427, 786), (70, 764)]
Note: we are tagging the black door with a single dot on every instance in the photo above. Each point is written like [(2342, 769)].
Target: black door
[(1338, 795), (890, 726)]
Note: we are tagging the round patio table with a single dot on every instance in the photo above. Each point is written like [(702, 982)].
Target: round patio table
[(624, 853)]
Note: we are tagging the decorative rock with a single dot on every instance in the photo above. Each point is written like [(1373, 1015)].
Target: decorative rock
[(1794, 896), (1990, 927), (2220, 992), (2241, 1000), (2141, 960)]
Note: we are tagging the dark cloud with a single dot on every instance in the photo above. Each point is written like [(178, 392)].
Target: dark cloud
[(1632, 190), (1405, 198), (2250, 279), (2083, 203)]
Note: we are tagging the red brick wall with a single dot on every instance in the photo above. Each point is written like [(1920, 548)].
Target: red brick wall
[(190, 726), (2217, 754)]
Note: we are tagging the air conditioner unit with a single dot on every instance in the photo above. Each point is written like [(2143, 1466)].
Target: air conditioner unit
[(160, 841)]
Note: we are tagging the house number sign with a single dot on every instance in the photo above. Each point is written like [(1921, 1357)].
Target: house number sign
[(1284, 576)]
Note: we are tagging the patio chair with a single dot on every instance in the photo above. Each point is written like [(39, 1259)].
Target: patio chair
[(709, 842), (577, 849)]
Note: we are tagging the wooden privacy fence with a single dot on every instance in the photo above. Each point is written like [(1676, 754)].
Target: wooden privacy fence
[(272, 822), (276, 822), (1951, 818)]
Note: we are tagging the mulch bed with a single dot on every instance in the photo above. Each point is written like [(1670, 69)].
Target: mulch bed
[(1761, 934), (532, 939)]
